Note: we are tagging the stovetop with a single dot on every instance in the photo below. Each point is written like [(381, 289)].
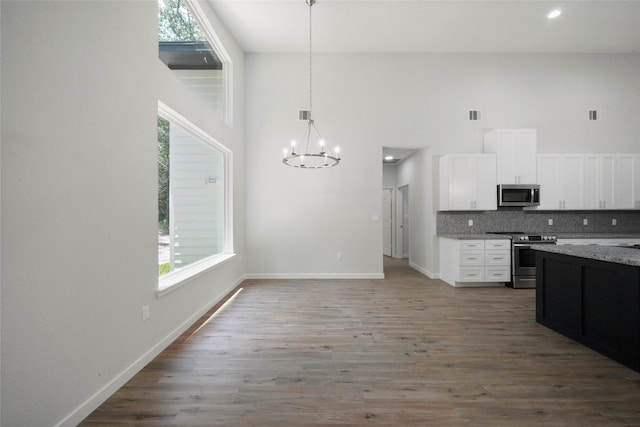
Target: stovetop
[(522, 237)]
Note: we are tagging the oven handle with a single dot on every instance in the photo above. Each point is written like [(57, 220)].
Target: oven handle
[(521, 245)]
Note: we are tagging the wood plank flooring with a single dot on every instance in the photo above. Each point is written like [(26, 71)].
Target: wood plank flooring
[(405, 350)]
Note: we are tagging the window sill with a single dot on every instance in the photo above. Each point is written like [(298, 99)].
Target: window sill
[(181, 277)]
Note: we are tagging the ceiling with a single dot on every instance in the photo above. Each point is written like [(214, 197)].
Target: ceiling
[(476, 26), (398, 154)]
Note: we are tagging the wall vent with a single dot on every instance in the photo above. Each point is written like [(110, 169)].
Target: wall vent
[(593, 115), (475, 115)]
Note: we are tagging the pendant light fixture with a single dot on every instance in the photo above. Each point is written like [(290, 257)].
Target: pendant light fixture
[(308, 157)]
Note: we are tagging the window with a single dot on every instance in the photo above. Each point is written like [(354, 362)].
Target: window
[(194, 206), (189, 47)]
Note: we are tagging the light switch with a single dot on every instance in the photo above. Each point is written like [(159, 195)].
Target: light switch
[(375, 218)]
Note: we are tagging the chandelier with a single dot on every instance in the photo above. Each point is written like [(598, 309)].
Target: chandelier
[(306, 157)]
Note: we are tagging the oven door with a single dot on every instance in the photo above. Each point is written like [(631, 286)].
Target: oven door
[(524, 260)]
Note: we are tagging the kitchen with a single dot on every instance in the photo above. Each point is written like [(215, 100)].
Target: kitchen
[(529, 198), (572, 233)]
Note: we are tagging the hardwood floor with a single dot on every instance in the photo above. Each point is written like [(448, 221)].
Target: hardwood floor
[(405, 350)]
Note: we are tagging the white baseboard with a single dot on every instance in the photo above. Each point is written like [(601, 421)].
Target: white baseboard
[(93, 402), (424, 271), (315, 276)]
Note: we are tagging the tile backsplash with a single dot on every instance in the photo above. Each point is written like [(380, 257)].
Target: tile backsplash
[(538, 221)]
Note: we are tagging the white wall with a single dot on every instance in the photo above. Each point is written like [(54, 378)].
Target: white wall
[(389, 175), (298, 220), (80, 87), (416, 172)]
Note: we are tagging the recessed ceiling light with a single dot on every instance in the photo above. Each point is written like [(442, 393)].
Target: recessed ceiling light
[(388, 158), (554, 14)]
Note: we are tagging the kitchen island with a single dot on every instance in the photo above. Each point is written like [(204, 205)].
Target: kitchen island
[(591, 294)]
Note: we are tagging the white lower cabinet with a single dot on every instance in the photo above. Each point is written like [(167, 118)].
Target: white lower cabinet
[(475, 262)]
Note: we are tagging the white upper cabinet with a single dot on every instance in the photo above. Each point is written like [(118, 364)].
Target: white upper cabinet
[(609, 181), (561, 181), (515, 151), (468, 182), (636, 181)]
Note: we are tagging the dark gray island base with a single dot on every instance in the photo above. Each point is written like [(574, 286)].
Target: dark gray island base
[(592, 295)]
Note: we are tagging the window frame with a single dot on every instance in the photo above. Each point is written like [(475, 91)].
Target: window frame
[(179, 277), (227, 65)]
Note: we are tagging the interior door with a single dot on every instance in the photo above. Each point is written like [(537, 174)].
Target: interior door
[(387, 221)]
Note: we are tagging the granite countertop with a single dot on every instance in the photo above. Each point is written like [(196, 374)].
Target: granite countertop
[(597, 235), (486, 236), (629, 256), (476, 236)]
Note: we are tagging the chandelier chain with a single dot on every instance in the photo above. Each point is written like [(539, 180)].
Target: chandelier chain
[(309, 159), (310, 3)]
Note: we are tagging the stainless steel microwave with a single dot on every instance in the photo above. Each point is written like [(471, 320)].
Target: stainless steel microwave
[(518, 195)]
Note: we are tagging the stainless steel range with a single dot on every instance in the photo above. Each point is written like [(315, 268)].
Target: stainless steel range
[(523, 257)]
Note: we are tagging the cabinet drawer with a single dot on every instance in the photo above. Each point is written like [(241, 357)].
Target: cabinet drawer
[(471, 274), (497, 257), (471, 244), (497, 274), (498, 244), (472, 257)]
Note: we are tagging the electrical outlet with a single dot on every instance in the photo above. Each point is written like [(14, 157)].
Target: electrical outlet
[(470, 223), (614, 221), (550, 222), (585, 221), (339, 255), (145, 313)]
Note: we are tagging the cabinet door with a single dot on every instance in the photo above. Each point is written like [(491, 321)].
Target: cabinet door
[(623, 197), (636, 181), (548, 179), (507, 160), (525, 156), (516, 156), (468, 182), (572, 181), (607, 182), (486, 197), (591, 182), (462, 175)]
